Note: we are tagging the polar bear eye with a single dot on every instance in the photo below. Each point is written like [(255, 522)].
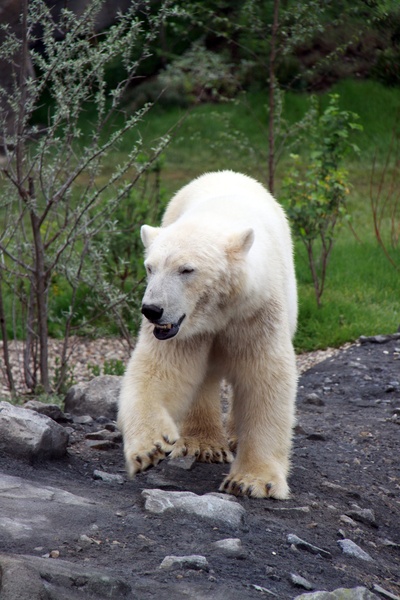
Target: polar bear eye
[(186, 270), (149, 269)]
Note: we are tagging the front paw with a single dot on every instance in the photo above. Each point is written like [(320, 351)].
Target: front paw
[(142, 454), (203, 449), (268, 484)]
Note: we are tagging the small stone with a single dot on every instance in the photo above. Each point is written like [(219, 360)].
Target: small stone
[(303, 545), (300, 581), (314, 399), (347, 521), (194, 561), (230, 547), (380, 590), (350, 548), (182, 462), (317, 437), (82, 419), (54, 554), (108, 477), (101, 445), (105, 434), (358, 593), (363, 515)]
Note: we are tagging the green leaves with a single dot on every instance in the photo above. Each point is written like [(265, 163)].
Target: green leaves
[(317, 188)]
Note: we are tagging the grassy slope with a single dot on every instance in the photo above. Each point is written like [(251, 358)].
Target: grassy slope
[(362, 294)]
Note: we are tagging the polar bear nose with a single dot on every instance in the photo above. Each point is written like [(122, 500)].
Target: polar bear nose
[(152, 312)]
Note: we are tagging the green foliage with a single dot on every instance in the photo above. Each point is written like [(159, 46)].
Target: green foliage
[(60, 186), (113, 366), (316, 190)]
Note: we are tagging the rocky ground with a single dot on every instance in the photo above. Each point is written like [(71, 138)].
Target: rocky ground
[(73, 526)]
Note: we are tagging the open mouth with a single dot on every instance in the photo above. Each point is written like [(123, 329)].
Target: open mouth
[(165, 331)]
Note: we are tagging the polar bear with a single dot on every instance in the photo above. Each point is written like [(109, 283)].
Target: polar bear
[(220, 303)]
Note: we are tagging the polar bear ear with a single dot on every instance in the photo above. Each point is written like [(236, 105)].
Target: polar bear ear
[(148, 234), (240, 243)]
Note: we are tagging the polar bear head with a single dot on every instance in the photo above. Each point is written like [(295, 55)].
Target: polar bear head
[(195, 276)]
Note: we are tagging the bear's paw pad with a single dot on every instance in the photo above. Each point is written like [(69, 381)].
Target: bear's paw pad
[(255, 487)]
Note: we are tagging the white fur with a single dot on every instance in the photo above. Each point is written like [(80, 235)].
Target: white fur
[(223, 259)]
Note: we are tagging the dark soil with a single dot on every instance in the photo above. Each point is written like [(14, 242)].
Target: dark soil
[(346, 457)]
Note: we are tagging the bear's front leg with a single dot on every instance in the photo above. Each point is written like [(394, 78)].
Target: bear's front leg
[(202, 432), (263, 417), (156, 393)]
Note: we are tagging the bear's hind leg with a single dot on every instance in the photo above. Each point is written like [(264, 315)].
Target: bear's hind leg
[(202, 431)]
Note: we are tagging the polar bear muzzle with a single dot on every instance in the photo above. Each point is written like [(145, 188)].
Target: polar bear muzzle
[(165, 331), (162, 331)]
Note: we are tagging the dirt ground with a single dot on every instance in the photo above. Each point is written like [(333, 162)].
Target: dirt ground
[(346, 458)]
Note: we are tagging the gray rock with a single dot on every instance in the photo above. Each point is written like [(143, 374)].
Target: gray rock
[(82, 419), (108, 477), (50, 410), (300, 581), (380, 590), (208, 506), (358, 593), (314, 399), (363, 515), (30, 513), (28, 434), (105, 434), (230, 547), (351, 549), (303, 545), (98, 397), (29, 577), (194, 561), (182, 462)]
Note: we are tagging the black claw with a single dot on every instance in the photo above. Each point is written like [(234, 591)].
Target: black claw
[(185, 451), (158, 446), (139, 459), (268, 488), (226, 485), (249, 491)]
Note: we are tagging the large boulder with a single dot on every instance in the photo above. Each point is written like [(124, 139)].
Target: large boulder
[(28, 434), (97, 398)]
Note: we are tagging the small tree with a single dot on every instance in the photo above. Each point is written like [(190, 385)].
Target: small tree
[(385, 201), (315, 192), (60, 187)]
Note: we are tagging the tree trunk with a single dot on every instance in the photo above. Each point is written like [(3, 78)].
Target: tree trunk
[(6, 355), (271, 150)]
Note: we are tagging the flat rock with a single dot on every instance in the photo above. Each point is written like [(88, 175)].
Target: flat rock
[(194, 561), (358, 593), (30, 435), (351, 549), (30, 577), (97, 398), (32, 512), (303, 545), (210, 507)]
